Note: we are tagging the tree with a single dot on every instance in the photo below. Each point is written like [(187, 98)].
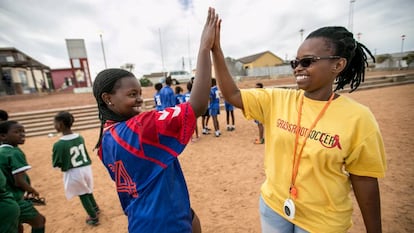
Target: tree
[(145, 82), (409, 58), (383, 57)]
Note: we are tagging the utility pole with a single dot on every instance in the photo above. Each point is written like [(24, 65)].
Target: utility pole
[(162, 55), (359, 36), (189, 53), (402, 43), (301, 34), (402, 50), (351, 15), (103, 50)]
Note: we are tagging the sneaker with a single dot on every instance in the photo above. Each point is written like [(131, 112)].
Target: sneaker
[(259, 141), (229, 128), (92, 221), (233, 127), (217, 133), (205, 131)]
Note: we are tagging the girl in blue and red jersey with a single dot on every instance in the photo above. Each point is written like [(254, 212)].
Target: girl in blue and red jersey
[(140, 149)]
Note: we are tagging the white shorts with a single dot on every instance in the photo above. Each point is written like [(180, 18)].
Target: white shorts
[(78, 181)]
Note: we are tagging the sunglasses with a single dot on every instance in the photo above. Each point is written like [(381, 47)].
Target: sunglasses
[(307, 61)]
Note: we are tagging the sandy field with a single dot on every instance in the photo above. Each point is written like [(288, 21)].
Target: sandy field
[(223, 174)]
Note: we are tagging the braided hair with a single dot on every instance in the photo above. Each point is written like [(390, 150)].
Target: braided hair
[(344, 45), (66, 118), (107, 82), (4, 116)]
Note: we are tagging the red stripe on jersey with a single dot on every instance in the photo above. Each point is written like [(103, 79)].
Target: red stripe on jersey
[(133, 150), (170, 127), (100, 152)]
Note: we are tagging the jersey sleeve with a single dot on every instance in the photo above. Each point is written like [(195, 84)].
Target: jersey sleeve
[(176, 122), (18, 163)]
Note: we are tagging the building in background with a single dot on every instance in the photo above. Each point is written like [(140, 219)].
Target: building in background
[(79, 62), (21, 74), (261, 64), (63, 79), (78, 76)]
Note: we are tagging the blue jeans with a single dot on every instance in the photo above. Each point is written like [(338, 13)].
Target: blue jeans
[(272, 222)]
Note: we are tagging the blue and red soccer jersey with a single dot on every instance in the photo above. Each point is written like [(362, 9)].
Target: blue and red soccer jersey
[(157, 101), (214, 101), (141, 157), (167, 97), (187, 96)]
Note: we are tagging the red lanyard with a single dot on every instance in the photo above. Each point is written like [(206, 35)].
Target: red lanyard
[(296, 159)]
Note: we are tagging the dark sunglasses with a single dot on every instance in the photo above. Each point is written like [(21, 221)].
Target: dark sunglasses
[(307, 61)]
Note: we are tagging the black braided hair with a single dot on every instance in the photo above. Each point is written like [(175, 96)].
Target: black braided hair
[(4, 116), (107, 82), (344, 45), (66, 118)]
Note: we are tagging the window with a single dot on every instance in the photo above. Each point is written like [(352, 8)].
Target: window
[(6, 58), (76, 63), (23, 79), (68, 81), (21, 57)]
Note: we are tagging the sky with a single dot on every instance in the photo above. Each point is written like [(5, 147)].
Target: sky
[(164, 35)]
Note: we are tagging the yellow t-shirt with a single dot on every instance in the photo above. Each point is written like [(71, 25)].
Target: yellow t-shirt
[(347, 136)]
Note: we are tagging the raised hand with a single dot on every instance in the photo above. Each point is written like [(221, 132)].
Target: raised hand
[(216, 45), (209, 31)]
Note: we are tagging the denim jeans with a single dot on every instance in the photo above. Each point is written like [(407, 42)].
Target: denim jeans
[(272, 222)]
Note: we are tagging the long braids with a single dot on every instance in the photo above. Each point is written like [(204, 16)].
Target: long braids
[(106, 82), (347, 47)]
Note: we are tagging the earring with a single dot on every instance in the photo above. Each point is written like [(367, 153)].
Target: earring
[(109, 103)]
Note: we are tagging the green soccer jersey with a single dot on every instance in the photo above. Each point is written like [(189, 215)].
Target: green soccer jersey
[(4, 192), (70, 152), (13, 161), (9, 210)]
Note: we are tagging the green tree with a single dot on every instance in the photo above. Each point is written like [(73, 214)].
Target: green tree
[(381, 58), (409, 58), (145, 82)]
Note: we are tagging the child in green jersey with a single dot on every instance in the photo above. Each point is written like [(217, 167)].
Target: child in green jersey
[(9, 209), (14, 166), (71, 156)]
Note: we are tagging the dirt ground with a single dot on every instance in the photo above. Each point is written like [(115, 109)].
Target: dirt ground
[(223, 174)]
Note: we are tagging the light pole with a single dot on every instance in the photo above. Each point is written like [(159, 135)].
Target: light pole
[(103, 50), (359, 36), (301, 34), (402, 43), (351, 15), (402, 50), (189, 53), (162, 55)]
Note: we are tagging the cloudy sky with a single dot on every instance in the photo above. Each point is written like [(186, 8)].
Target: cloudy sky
[(158, 35)]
